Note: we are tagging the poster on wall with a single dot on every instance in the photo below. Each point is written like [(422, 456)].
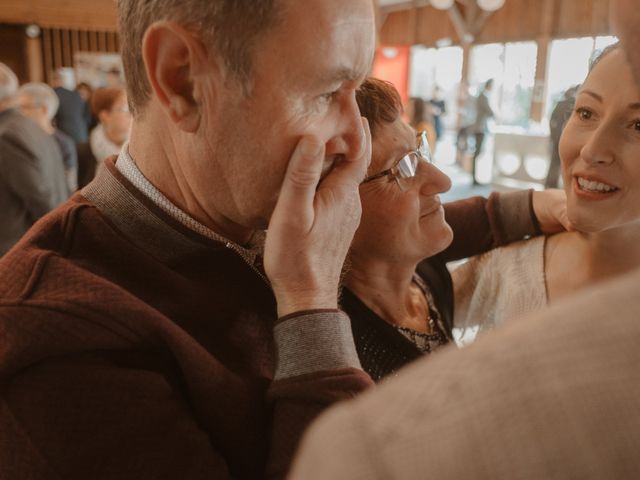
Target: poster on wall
[(99, 69)]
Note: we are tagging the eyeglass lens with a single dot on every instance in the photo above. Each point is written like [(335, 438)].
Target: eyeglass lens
[(423, 147), (408, 166)]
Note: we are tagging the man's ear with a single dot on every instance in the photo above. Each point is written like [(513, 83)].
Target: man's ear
[(173, 58)]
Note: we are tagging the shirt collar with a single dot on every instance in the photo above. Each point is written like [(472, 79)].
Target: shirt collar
[(128, 168)]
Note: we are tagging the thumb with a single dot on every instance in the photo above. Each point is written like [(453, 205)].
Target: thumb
[(300, 181)]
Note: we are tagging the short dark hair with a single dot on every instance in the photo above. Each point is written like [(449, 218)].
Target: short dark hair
[(379, 102), (231, 25)]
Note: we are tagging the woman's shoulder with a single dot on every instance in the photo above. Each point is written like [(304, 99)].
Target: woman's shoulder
[(504, 260), (500, 284)]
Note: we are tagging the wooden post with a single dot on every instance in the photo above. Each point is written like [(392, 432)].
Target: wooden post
[(35, 67), (544, 40), (540, 85)]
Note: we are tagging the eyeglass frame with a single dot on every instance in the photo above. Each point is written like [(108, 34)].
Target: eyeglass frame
[(423, 152)]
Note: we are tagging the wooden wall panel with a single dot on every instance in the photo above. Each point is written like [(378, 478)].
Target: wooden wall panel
[(60, 45), (70, 14), (579, 18), (13, 50)]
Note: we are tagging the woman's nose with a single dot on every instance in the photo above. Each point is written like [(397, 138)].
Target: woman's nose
[(433, 179), (600, 146)]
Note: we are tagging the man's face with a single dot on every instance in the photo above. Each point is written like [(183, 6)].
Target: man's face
[(304, 75), (625, 18)]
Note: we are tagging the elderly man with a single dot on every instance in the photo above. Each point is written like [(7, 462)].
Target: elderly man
[(141, 322), (32, 178), (553, 396), (39, 102)]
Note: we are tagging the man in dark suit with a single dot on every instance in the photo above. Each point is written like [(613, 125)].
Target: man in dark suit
[(73, 115), (32, 179)]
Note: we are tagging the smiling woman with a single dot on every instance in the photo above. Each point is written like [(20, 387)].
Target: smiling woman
[(599, 149)]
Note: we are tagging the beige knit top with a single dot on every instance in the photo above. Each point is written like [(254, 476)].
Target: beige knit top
[(499, 285)]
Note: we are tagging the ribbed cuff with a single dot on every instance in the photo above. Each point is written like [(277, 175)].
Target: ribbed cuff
[(314, 342)]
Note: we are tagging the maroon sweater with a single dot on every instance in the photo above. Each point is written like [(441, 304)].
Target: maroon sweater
[(132, 347)]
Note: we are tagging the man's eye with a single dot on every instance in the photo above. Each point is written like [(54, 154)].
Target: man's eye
[(328, 97)]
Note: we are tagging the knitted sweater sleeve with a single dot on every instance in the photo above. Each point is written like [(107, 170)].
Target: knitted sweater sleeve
[(317, 366), (480, 224)]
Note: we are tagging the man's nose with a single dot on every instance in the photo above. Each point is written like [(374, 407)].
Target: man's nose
[(349, 137)]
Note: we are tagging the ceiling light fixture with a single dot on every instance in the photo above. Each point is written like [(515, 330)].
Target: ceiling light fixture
[(490, 5), (442, 4)]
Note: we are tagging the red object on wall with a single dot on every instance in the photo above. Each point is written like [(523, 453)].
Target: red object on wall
[(392, 64)]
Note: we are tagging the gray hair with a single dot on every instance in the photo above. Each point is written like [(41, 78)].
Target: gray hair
[(8, 83), (233, 26), (42, 95)]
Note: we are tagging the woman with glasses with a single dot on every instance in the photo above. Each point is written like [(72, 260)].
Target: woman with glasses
[(401, 305)]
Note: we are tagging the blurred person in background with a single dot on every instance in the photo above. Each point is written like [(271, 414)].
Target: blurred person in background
[(86, 92), (110, 106), (39, 102), (438, 109), (480, 127), (72, 116), (480, 113), (422, 120), (559, 116), (32, 178)]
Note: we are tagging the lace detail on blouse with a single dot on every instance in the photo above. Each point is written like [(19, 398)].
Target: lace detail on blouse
[(427, 342)]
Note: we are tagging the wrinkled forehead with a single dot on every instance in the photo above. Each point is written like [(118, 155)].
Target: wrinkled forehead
[(334, 36)]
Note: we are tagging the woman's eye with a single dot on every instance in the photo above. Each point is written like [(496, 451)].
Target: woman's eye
[(636, 124), (584, 113)]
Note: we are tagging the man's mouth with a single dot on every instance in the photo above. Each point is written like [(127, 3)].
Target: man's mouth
[(329, 164)]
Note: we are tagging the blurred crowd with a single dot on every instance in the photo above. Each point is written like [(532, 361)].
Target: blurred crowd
[(52, 141)]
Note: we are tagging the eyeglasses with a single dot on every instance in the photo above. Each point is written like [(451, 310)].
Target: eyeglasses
[(406, 167)]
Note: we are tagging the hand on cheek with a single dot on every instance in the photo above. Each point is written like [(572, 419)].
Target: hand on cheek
[(312, 226)]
